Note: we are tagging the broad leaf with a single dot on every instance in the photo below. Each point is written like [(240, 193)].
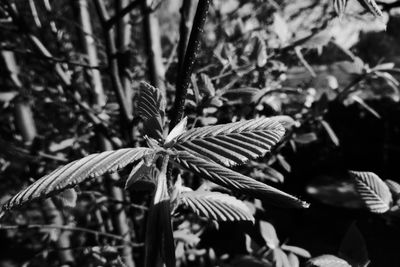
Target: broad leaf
[(216, 206), (236, 181), (77, 172), (268, 232), (373, 191), (232, 143), (296, 250), (327, 261), (151, 108)]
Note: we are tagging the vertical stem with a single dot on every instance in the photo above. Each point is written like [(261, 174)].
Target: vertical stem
[(120, 220), (184, 30), (111, 51), (27, 128), (189, 61), (123, 41), (153, 46)]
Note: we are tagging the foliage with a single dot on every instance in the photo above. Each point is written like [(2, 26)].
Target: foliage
[(156, 127)]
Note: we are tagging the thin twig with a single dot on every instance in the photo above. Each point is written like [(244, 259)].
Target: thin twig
[(69, 228)]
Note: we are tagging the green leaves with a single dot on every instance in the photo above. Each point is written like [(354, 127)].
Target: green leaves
[(216, 206), (236, 181), (373, 191), (232, 143), (77, 172)]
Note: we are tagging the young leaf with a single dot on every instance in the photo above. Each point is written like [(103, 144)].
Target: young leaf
[(327, 261), (232, 143), (296, 250), (178, 130), (268, 232), (216, 206), (340, 7), (373, 191), (236, 181), (151, 108), (77, 172), (372, 7)]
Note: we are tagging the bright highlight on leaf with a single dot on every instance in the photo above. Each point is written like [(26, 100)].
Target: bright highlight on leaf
[(216, 206), (237, 182), (77, 172), (232, 143), (373, 191)]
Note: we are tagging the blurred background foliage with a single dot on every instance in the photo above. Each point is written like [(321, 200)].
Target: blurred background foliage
[(332, 77)]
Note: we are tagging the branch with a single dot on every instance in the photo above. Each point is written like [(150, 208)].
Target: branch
[(120, 218), (122, 13), (184, 30), (123, 30), (113, 62), (188, 62), (68, 228), (153, 47)]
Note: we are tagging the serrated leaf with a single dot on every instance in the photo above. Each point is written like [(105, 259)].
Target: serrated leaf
[(216, 206), (340, 7), (236, 181), (327, 261), (372, 7), (373, 191), (232, 143), (77, 172), (137, 173), (151, 108), (268, 232), (175, 133)]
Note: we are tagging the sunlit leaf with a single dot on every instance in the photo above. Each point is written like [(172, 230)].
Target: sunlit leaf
[(327, 261), (236, 181), (77, 172), (332, 135), (216, 206), (296, 250), (373, 191), (268, 232), (232, 143), (175, 133)]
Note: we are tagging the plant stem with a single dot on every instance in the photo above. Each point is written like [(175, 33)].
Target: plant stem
[(153, 46), (120, 218), (189, 61), (27, 128)]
